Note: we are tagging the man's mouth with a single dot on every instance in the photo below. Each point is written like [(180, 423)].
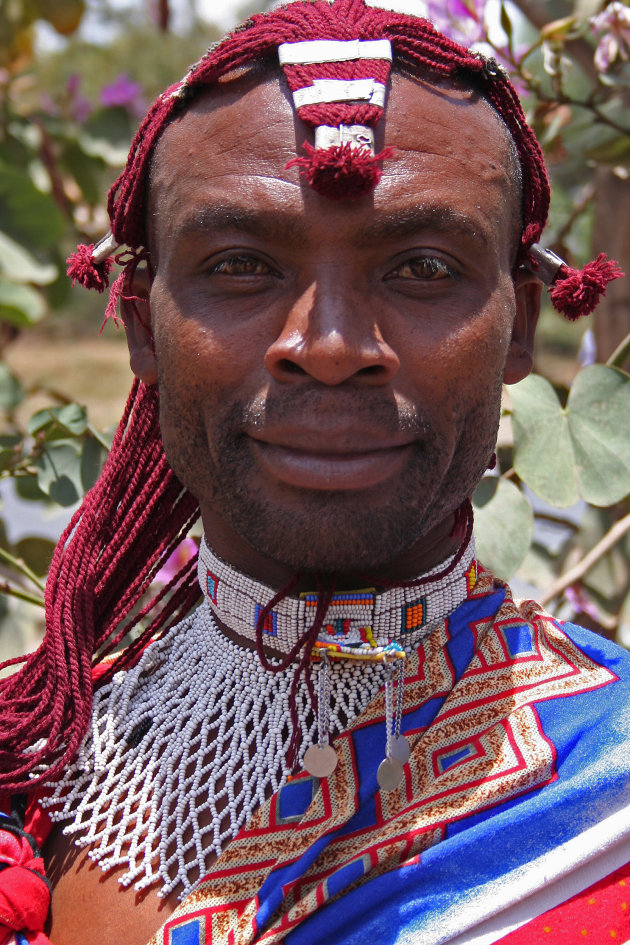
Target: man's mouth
[(330, 462)]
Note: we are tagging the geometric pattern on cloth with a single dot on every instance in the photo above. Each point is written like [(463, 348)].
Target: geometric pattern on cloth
[(191, 932), (484, 746)]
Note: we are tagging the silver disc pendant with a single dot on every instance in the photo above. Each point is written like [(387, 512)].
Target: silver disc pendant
[(399, 749), (389, 775), (320, 760)]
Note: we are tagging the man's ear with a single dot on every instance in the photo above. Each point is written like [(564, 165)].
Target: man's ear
[(520, 358), (136, 315)]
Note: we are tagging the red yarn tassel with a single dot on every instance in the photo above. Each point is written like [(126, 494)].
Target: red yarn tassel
[(343, 172), (112, 306), (83, 268), (576, 292)]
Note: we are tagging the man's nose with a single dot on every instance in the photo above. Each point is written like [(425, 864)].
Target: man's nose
[(332, 336)]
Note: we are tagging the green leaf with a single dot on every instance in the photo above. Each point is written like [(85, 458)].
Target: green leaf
[(543, 454), (93, 458), (59, 472), (20, 266), (504, 525), (28, 215), (11, 392), (72, 418), (615, 150), (36, 552), (558, 28), (584, 9), (106, 134), (28, 489), (20, 305), (506, 23), (8, 444), (69, 419), (86, 170), (598, 410), (583, 449)]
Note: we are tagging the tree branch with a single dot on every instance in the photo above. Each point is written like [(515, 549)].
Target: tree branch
[(537, 13), (577, 572)]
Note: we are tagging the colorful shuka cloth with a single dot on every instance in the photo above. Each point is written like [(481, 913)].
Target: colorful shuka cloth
[(512, 824)]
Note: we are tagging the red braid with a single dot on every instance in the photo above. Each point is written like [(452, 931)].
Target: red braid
[(105, 561)]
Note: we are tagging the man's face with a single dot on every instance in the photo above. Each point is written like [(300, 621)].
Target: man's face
[(330, 373)]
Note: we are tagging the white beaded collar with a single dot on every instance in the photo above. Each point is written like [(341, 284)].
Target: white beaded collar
[(359, 624)]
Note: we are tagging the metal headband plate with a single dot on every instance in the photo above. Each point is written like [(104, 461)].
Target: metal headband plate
[(340, 90), (357, 136), (547, 263)]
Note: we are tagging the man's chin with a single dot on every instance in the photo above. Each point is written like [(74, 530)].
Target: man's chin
[(363, 544)]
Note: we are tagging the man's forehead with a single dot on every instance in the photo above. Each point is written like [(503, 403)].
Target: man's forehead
[(238, 117), (246, 132)]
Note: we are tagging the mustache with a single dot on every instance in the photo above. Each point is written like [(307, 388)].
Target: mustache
[(368, 409)]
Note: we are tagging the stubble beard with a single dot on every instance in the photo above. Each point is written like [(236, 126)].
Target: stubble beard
[(329, 531)]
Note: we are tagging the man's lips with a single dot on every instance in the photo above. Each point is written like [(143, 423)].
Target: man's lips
[(329, 462)]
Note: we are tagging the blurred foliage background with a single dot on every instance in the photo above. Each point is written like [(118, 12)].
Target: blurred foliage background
[(76, 76)]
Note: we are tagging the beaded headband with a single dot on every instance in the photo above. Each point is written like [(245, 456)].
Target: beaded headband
[(337, 56)]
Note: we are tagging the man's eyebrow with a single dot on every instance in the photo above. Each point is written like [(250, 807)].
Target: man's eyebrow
[(397, 224), (388, 225), (261, 223)]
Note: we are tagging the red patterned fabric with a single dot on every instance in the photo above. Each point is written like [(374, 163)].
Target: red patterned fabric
[(24, 893), (598, 915)]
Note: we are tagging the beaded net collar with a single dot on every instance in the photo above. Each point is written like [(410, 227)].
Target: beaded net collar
[(185, 745)]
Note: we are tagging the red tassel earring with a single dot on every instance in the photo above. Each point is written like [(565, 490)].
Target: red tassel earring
[(91, 265), (573, 292)]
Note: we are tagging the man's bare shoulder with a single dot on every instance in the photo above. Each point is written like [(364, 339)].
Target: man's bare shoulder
[(88, 905)]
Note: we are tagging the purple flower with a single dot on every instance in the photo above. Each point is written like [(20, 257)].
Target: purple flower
[(580, 601), (79, 107), (72, 85), (184, 551), (82, 108), (125, 93), (614, 43), (48, 104), (462, 21)]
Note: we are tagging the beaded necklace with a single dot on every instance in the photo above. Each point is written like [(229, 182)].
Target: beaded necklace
[(361, 624), (184, 746)]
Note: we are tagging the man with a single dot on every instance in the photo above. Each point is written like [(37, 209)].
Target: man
[(328, 335)]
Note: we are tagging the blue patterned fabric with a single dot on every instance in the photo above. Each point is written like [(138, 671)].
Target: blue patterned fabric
[(518, 782)]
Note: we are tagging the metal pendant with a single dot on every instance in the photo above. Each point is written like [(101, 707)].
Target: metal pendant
[(389, 775), (399, 749), (320, 760)]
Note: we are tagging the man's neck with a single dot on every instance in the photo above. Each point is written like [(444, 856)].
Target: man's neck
[(433, 548)]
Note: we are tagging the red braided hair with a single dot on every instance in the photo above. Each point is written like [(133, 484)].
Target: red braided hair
[(128, 525), (137, 512)]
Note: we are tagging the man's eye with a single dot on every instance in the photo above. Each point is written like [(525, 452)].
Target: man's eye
[(428, 268), (240, 264)]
